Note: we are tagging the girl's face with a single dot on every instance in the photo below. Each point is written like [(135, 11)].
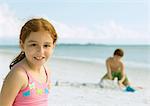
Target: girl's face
[(38, 47)]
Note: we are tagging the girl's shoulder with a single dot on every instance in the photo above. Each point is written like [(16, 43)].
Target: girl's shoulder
[(13, 83), (17, 75), (18, 71)]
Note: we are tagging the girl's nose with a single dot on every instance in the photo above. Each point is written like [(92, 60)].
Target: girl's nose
[(40, 50)]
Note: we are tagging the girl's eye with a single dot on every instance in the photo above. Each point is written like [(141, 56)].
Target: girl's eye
[(47, 45), (33, 45)]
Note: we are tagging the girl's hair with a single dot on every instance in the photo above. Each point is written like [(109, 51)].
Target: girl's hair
[(34, 25), (119, 52)]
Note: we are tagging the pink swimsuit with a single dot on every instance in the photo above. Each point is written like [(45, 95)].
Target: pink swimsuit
[(35, 94)]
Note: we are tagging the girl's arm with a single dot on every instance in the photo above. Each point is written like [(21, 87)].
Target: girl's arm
[(108, 69), (11, 86)]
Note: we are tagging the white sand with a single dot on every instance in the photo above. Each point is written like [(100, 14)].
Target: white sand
[(85, 72)]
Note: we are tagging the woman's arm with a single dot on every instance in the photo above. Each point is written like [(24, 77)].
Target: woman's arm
[(11, 86)]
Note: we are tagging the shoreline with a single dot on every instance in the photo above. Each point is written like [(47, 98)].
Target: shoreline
[(85, 71)]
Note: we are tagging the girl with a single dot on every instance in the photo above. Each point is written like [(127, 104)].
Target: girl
[(27, 84)]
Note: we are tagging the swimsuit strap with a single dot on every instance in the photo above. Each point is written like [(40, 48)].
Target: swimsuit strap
[(47, 78), (30, 78), (28, 75)]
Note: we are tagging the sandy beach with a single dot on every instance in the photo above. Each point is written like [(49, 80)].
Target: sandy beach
[(69, 76), (85, 72)]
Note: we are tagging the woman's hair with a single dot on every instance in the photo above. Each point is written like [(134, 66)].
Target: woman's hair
[(34, 25), (119, 52)]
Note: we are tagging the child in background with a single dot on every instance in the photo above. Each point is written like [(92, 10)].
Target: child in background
[(115, 69), (27, 84)]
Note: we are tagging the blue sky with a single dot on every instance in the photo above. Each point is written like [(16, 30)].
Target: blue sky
[(81, 21)]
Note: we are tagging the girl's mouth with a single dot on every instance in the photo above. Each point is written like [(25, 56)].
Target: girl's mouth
[(39, 58)]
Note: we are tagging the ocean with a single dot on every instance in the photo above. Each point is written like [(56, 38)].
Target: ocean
[(134, 55)]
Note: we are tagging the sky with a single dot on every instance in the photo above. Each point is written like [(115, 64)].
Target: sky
[(80, 21)]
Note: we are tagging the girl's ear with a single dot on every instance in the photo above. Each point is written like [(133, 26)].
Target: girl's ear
[(21, 45)]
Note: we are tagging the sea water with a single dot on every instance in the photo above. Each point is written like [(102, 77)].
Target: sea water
[(134, 55)]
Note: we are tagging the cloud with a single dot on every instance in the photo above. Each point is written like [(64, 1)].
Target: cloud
[(104, 33), (9, 24), (107, 33)]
